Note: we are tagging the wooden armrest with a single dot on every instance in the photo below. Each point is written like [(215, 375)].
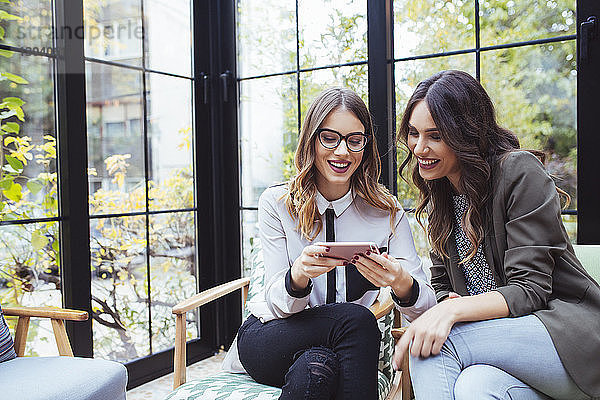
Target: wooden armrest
[(209, 295), (46, 312), (182, 308), (398, 332), (382, 305), (57, 318)]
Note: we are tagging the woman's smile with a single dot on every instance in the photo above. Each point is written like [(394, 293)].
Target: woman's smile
[(339, 166), (427, 163)]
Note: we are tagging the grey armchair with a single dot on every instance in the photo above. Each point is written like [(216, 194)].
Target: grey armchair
[(56, 378)]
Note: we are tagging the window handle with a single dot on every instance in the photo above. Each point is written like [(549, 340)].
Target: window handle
[(205, 80), (588, 31), (225, 84)]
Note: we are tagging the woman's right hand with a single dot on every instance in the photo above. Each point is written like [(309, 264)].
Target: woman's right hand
[(311, 263)]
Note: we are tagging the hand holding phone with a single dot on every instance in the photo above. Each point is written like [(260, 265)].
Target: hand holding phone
[(347, 250)]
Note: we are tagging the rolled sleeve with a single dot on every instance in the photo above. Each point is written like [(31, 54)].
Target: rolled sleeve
[(439, 277)]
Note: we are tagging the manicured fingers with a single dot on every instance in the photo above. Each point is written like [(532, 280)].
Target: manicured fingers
[(314, 250)]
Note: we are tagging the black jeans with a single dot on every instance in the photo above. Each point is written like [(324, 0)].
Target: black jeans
[(323, 352)]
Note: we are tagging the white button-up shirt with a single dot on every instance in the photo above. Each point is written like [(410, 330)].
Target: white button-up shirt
[(355, 221)]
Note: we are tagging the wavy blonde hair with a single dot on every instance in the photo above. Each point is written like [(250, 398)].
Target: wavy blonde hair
[(302, 189)]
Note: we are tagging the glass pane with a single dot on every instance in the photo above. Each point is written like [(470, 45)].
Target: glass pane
[(266, 48), (314, 82), (115, 139), (534, 90), (172, 274), (169, 36), (570, 222), (420, 238), (249, 234), (504, 21), (408, 74), (113, 30), (28, 185), (119, 288), (169, 108), (30, 276), (28, 24), (332, 32), (433, 26), (268, 133)]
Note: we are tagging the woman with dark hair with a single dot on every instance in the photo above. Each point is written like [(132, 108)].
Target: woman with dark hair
[(517, 316), (312, 332)]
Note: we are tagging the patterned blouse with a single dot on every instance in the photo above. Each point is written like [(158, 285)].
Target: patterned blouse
[(478, 276)]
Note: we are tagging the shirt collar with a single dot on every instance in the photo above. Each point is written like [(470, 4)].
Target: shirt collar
[(339, 206)]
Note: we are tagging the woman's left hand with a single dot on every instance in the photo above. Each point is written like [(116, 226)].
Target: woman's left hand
[(428, 333), (383, 270)]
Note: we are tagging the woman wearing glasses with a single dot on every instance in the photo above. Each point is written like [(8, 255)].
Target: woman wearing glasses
[(312, 333), (518, 317)]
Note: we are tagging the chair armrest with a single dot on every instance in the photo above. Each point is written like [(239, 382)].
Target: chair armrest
[(398, 332), (195, 301), (208, 295), (57, 318), (383, 305), (46, 312)]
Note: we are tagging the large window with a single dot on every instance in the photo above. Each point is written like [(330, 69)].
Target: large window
[(522, 52), (141, 175), (130, 62), (282, 67)]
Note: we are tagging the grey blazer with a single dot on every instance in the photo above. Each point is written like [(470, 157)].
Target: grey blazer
[(534, 266)]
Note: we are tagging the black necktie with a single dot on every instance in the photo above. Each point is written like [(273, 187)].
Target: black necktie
[(330, 237)]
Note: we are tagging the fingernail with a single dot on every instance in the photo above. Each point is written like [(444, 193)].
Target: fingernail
[(368, 252), (327, 249), (346, 263), (355, 258), (394, 366)]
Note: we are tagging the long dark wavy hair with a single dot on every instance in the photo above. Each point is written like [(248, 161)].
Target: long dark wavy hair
[(300, 199), (464, 115)]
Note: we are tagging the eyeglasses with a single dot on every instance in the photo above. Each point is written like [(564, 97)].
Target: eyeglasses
[(331, 139)]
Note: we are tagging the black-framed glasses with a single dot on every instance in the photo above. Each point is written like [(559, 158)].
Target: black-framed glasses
[(331, 139)]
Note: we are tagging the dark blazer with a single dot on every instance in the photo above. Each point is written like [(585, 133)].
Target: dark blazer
[(534, 266)]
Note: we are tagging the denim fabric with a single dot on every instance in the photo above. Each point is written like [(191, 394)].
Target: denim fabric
[(307, 353), (505, 358)]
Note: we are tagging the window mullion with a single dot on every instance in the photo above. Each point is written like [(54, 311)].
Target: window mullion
[(72, 170)]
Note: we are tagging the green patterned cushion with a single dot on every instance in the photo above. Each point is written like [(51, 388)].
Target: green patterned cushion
[(240, 386), (386, 348), (224, 386)]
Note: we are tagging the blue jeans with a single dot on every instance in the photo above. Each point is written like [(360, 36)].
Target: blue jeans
[(505, 358), (325, 352)]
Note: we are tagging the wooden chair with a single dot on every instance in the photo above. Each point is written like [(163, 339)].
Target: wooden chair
[(57, 378), (241, 386)]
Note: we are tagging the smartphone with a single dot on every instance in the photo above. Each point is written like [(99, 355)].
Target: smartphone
[(347, 250)]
